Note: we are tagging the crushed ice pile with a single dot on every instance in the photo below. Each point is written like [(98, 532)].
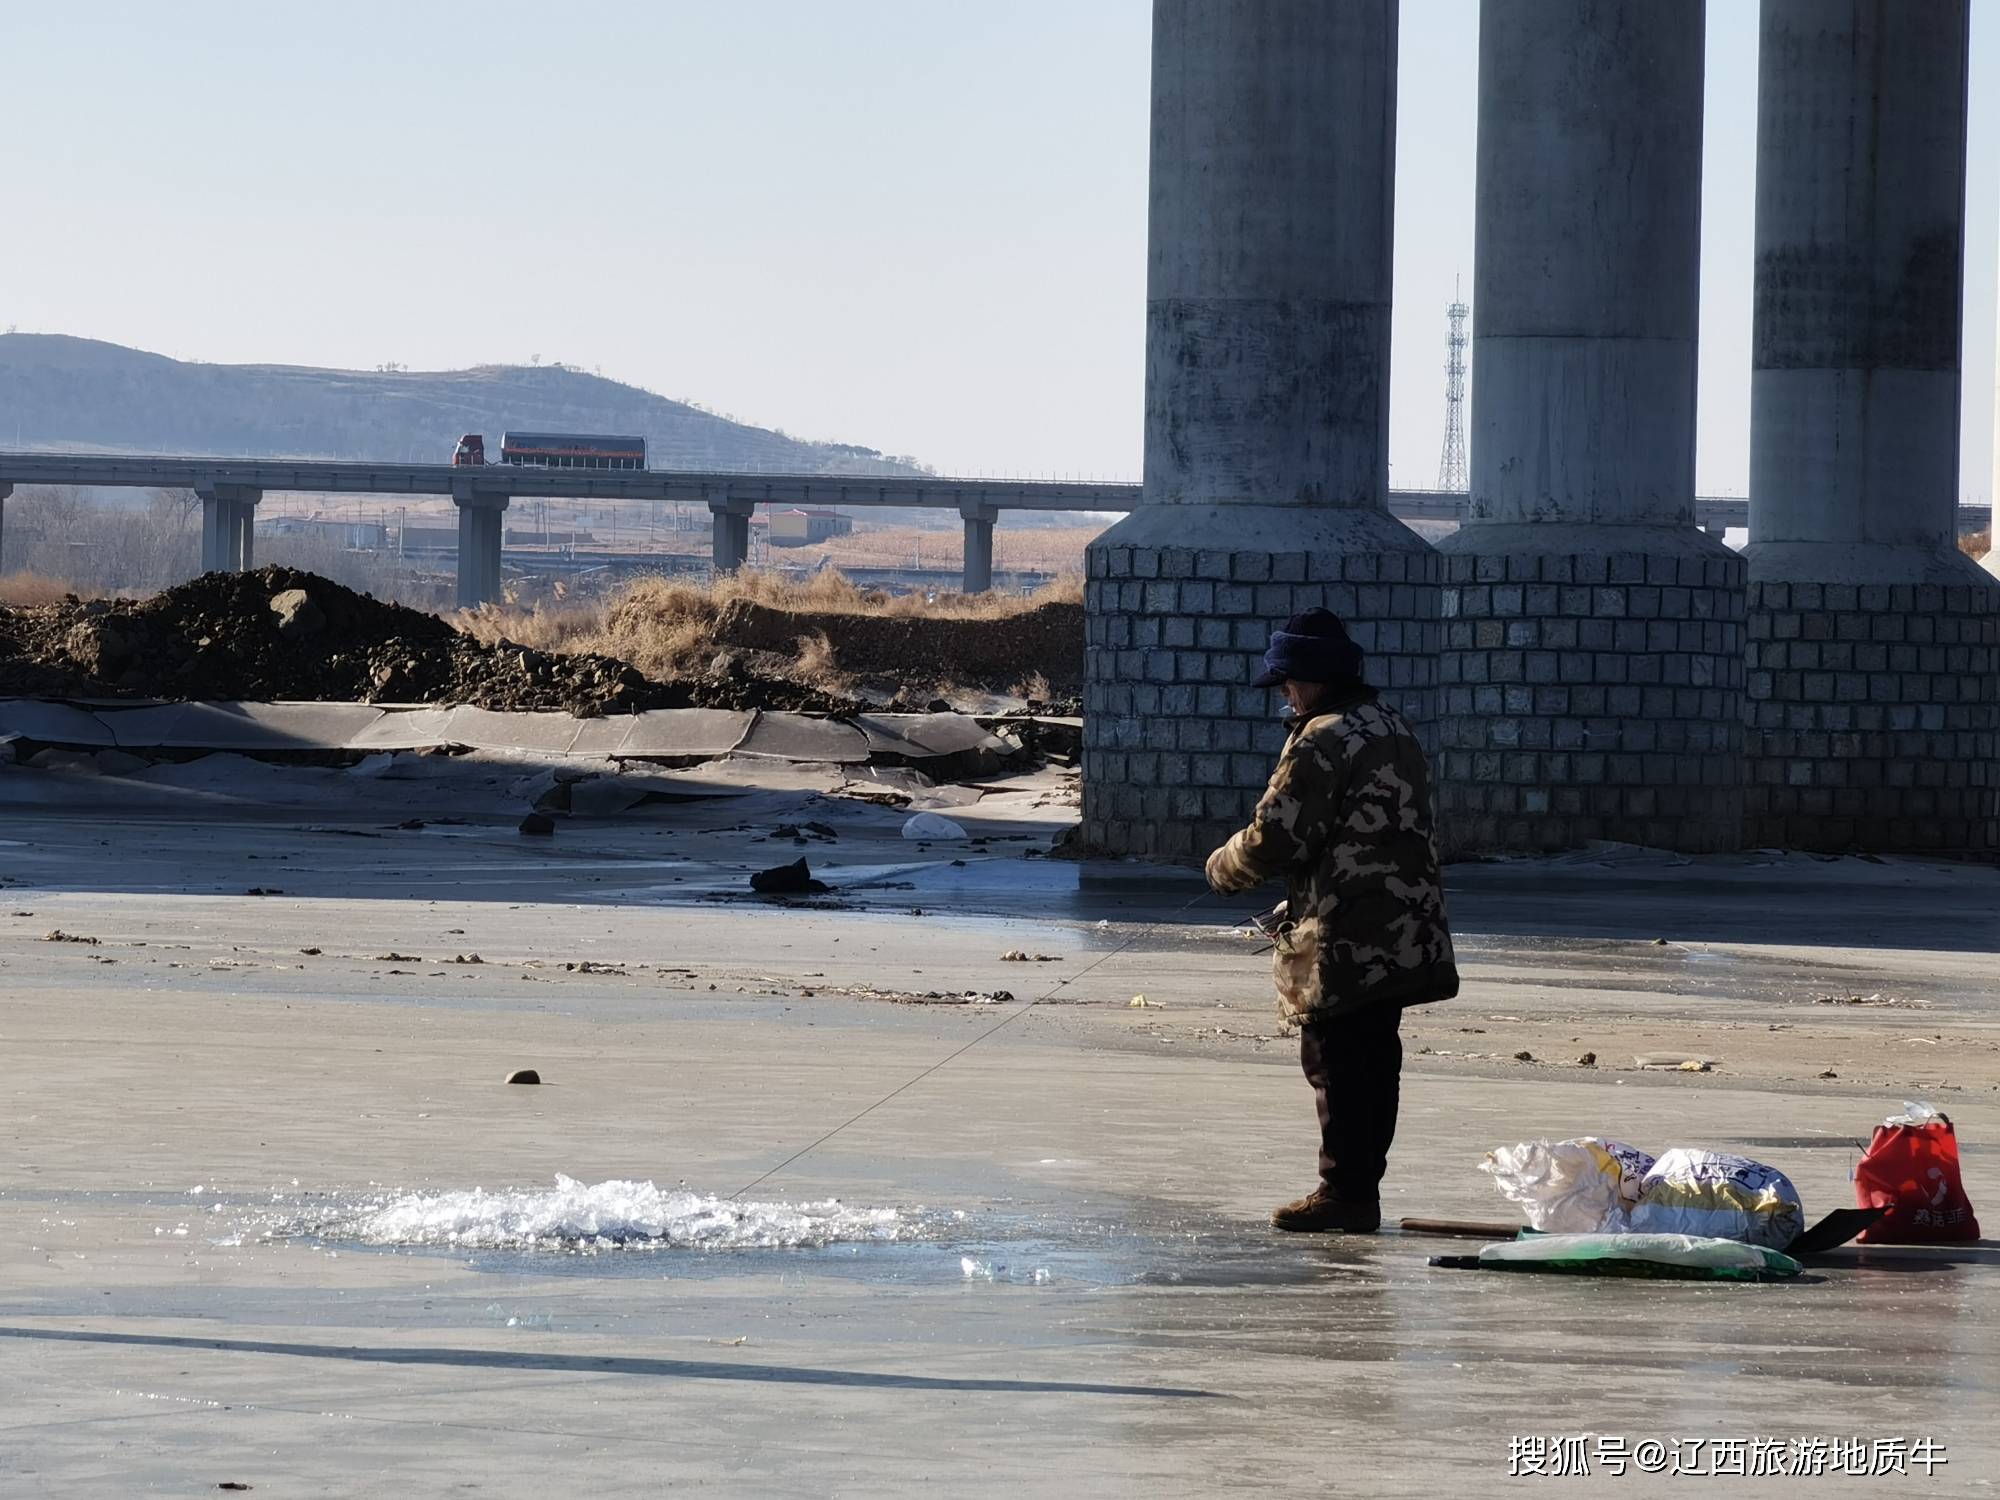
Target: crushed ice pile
[(587, 1217)]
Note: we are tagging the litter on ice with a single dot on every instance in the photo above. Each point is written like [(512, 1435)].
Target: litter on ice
[(1593, 1186), (1910, 1173), (1681, 1257)]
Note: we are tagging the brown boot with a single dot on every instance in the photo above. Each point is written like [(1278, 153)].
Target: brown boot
[(1319, 1212)]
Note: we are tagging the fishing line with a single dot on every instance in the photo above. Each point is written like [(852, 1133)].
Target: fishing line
[(1006, 1020)]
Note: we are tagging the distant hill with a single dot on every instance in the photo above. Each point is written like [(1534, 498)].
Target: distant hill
[(58, 392)]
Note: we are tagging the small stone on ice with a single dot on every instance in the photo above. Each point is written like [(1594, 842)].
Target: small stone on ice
[(538, 823), (524, 1075)]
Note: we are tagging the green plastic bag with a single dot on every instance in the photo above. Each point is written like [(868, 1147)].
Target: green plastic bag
[(1682, 1257)]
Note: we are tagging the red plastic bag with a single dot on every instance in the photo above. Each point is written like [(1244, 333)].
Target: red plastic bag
[(1912, 1169)]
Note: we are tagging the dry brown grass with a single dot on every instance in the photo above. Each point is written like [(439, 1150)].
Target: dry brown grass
[(1027, 549), (1977, 545), (666, 626), (545, 627), (26, 590), (816, 664)]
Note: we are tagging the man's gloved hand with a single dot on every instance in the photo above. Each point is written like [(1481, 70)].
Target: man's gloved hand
[(1225, 876)]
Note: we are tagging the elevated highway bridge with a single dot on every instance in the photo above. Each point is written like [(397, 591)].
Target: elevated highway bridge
[(231, 488)]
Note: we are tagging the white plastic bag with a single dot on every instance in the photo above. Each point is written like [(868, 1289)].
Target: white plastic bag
[(1725, 1197), (1915, 1112), (1582, 1186)]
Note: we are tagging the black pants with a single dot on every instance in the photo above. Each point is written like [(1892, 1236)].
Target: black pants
[(1354, 1064)]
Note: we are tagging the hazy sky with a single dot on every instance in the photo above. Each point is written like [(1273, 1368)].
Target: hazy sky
[(907, 223)]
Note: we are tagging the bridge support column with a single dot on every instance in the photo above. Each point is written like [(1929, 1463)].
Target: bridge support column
[(479, 534), (6, 489), (1592, 667), (217, 517), (1266, 471), (228, 522), (978, 546), (1873, 712), (730, 545)]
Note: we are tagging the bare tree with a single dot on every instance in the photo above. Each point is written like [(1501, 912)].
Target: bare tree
[(175, 510)]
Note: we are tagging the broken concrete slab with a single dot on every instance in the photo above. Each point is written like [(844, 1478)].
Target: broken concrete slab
[(956, 745), (54, 724), (667, 734), (238, 726), (535, 734), (954, 742), (798, 738), (920, 736), (404, 729)]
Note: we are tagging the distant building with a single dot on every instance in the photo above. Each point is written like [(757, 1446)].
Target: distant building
[(802, 528), (353, 535), (429, 539)]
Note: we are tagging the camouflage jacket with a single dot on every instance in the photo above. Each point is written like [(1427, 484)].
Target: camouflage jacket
[(1347, 822)]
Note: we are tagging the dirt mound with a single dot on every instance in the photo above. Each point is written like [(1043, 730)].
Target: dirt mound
[(993, 653), (280, 634)]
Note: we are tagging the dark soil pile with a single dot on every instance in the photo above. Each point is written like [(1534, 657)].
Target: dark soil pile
[(280, 634), (997, 654)]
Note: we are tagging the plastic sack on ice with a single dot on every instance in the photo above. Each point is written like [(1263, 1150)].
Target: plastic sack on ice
[(1911, 1168), (1582, 1186), (1646, 1255), (1714, 1194)]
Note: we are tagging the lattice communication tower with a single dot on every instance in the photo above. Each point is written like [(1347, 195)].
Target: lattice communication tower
[(1451, 462)]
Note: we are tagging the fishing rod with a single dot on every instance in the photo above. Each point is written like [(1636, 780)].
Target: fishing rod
[(1006, 1020)]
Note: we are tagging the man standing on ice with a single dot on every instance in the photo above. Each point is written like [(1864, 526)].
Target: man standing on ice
[(1346, 821)]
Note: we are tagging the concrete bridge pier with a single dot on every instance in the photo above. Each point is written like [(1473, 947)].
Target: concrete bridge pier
[(6, 489), (228, 527), (1592, 665), (978, 545), (479, 535), (1873, 713), (729, 548), (1267, 386)]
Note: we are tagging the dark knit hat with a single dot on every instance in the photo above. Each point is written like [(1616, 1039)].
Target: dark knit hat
[(1312, 647)]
